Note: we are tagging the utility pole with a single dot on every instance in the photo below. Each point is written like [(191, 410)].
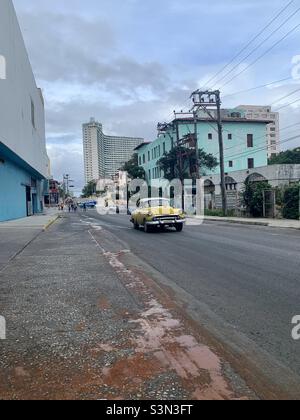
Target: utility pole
[(221, 148), (209, 101), (196, 146), (66, 184)]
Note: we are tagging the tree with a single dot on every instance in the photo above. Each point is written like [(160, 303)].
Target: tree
[(287, 157), (253, 197), (180, 161), (133, 169), (89, 189)]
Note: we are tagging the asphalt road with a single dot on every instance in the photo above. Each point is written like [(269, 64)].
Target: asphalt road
[(246, 275)]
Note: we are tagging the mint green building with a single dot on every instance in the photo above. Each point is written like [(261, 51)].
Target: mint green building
[(245, 143)]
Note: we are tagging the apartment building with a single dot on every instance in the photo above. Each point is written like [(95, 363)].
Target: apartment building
[(244, 141), (104, 155)]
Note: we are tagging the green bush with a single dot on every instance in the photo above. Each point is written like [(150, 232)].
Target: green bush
[(219, 213), (291, 203), (253, 197)]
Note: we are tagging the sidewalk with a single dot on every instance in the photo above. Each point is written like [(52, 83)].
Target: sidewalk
[(15, 235), (276, 223), (38, 221)]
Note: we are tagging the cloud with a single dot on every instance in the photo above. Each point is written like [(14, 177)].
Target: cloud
[(131, 63)]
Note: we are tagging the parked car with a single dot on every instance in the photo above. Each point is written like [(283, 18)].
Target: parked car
[(89, 204), (157, 213)]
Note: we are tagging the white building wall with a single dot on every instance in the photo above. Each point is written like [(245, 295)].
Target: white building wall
[(255, 112), (17, 92)]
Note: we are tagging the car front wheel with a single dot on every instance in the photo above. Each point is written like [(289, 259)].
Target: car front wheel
[(179, 228), (146, 227)]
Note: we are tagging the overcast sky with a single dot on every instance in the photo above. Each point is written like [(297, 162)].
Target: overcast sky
[(130, 63)]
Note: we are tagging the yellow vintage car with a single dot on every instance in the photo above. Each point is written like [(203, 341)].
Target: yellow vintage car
[(157, 213)]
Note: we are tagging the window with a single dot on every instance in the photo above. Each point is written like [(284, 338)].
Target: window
[(164, 147), (144, 159), (229, 136), (249, 140), (210, 136), (32, 113), (230, 164), (250, 163), (149, 174), (140, 161), (158, 151), (149, 156)]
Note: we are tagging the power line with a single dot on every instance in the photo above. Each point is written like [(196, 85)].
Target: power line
[(262, 55), (285, 106), (257, 87), (260, 149), (242, 138), (249, 43), (262, 137), (286, 96), (258, 46)]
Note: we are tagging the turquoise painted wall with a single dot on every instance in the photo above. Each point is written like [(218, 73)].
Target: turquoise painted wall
[(13, 191), (235, 145)]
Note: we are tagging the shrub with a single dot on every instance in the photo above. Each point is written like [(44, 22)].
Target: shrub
[(253, 197), (219, 213), (291, 203)]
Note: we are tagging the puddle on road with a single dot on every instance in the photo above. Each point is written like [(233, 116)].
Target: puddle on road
[(165, 338)]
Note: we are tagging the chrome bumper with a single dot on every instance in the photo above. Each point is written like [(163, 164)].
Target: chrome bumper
[(166, 222)]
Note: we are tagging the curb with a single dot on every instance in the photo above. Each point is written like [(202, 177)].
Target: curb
[(250, 223), (239, 222), (50, 223)]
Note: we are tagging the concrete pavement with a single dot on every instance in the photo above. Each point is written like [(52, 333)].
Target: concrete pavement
[(15, 235), (84, 322), (241, 283), (226, 291), (276, 223)]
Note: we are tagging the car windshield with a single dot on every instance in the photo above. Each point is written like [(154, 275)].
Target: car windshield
[(157, 203)]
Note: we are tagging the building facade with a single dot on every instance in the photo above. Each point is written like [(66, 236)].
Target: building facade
[(24, 164), (254, 112), (278, 176), (244, 143), (104, 155), (53, 197)]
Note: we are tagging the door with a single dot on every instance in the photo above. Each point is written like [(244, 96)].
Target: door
[(34, 204), (28, 201)]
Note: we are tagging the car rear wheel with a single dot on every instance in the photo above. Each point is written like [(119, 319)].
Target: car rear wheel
[(179, 228)]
